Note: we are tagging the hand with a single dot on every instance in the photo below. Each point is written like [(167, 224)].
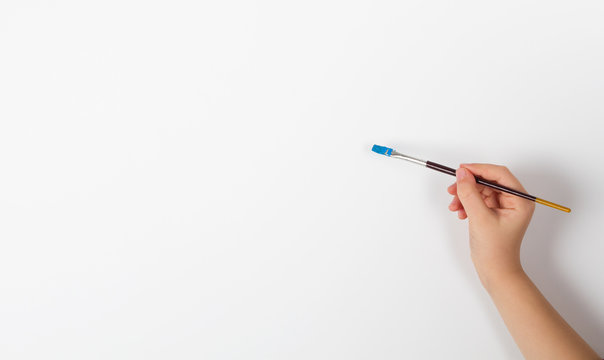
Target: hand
[(497, 220), (497, 224)]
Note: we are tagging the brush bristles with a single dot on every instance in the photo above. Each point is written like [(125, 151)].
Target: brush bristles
[(382, 150)]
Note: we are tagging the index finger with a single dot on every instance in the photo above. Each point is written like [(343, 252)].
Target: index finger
[(497, 173)]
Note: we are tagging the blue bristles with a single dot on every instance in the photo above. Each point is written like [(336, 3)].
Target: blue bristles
[(382, 150)]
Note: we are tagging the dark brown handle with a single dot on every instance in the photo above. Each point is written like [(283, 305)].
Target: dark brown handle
[(450, 171), (441, 168)]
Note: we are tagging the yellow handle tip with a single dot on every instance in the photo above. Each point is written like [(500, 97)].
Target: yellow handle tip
[(553, 205)]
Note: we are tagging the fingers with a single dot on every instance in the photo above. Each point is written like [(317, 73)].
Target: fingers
[(484, 190), (452, 189), (461, 214), (501, 174), (491, 199), (469, 195), (455, 204)]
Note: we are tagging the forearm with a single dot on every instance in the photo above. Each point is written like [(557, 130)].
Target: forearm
[(539, 331)]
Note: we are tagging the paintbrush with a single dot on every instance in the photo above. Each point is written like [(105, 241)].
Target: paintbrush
[(447, 170)]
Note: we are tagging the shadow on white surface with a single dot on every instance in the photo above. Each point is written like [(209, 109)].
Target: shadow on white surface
[(542, 251), (544, 246)]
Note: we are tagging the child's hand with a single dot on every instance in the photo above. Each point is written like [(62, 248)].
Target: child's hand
[(497, 220)]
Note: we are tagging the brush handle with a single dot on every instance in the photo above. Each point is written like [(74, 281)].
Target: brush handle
[(479, 180)]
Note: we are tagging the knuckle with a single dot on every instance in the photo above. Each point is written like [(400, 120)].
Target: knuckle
[(526, 208), (504, 170)]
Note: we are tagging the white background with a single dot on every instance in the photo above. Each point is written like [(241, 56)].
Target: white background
[(194, 180)]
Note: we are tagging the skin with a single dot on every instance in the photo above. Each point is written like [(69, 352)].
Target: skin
[(497, 224)]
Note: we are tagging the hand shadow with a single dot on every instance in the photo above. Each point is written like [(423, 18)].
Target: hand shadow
[(542, 243)]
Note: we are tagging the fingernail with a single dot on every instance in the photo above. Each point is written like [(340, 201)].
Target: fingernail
[(461, 173)]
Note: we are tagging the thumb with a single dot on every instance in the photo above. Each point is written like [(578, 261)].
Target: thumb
[(468, 194)]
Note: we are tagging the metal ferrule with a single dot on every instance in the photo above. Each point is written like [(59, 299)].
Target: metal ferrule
[(398, 155)]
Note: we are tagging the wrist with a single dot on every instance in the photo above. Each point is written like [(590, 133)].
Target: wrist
[(496, 265), (493, 278)]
